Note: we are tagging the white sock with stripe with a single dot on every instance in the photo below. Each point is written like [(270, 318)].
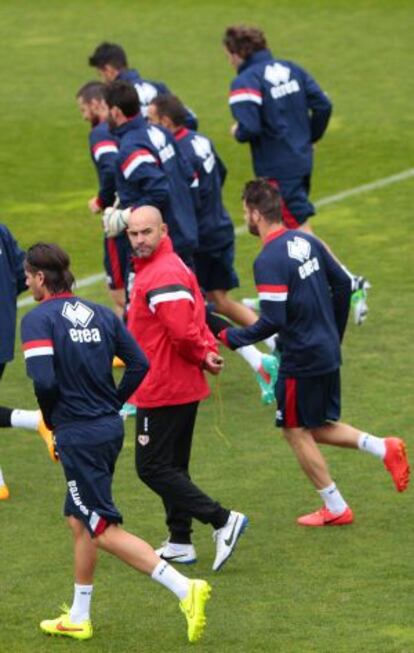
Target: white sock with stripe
[(333, 499), (25, 419), (80, 609), (252, 356), (372, 444), (2, 481), (171, 579)]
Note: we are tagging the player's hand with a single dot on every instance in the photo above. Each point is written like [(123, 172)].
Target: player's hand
[(234, 128), (115, 221), (94, 205), (213, 363)]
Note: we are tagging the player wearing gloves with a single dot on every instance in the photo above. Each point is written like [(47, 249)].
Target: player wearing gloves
[(149, 171), (69, 344), (167, 317), (304, 296)]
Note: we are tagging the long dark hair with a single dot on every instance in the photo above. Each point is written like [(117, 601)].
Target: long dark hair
[(54, 262)]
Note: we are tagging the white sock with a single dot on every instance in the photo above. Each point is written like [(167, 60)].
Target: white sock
[(270, 343), (25, 419), (251, 355), (171, 579), (372, 444), (2, 481), (333, 499), (80, 609)]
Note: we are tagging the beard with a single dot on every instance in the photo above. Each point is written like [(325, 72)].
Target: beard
[(252, 228), (111, 122)]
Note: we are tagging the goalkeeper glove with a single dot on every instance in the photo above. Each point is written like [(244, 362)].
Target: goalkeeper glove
[(115, 221)]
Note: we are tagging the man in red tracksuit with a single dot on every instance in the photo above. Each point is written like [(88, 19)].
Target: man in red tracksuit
[(167, 318)]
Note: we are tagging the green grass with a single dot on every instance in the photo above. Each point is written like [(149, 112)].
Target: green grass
[(286, 589)]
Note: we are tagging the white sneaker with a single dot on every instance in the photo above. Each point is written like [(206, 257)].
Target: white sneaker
[(226, 537), (184, 554)]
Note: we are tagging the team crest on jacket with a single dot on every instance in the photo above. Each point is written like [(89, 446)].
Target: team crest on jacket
[(143, 439), (277, 74), (299, 248), (157, 137), (78, 314)]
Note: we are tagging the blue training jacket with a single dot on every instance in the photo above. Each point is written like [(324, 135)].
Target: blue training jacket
[(215, 228), (12, 283), (69, 345), (281, 111), (151, 171), (304, 297)]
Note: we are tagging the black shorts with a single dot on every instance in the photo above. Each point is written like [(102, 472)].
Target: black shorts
[(117, 252), (215, 271), (89, 467), (309, 402), (296, 207)]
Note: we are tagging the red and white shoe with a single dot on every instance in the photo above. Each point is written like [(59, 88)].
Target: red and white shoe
[(396, 462), (325, 517)]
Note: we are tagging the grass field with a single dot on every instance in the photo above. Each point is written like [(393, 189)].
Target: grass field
[(286, 589)]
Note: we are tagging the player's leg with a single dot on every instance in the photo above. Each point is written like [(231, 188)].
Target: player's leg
[(192, 594), (303, 404), (115, 261), (155, 468), (217, 276), (391, 450)]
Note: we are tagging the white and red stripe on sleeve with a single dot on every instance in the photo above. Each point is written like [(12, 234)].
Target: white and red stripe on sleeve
[(272, 293), (37, 348), (245, 95), (104, 147), (136, 159)]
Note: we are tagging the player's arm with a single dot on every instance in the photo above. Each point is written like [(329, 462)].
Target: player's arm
[(340, 282), (246, 100), (18, 256), (174, 306), (38, 350), (273, 290), (319, 105), (136, 363), (104, 152), (141, 169)]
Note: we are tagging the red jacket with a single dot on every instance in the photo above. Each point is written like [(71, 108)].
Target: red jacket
[(167, 318)]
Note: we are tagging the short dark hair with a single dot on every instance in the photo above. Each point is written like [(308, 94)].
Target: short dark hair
[(170, 106), (123, 95), (243, 40), (261, 194), (109, 53), (93, 90), (54, 262)]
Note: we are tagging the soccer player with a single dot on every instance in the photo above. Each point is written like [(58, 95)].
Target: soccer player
[(281, 111), (12, 283), (69, 344), (214, 257), (149, 171), (304, 296), (103, 147), (167, 317), (111, 62)]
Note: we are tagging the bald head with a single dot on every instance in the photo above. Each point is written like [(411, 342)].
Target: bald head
[(145, 230)]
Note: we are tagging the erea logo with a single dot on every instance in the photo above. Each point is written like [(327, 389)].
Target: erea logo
[(78, 314)]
